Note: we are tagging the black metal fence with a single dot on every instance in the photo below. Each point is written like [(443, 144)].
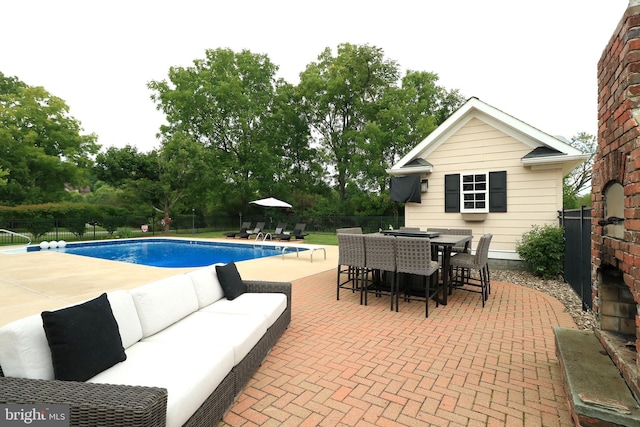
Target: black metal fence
[(73, 229), (577, 251)]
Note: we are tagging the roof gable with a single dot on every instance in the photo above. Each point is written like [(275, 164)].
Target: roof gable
[(546, 150)]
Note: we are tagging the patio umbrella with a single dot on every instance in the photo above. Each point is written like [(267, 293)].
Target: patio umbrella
[(271, 202)]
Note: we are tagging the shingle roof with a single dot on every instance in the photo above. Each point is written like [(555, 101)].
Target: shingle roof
[(543, 152)]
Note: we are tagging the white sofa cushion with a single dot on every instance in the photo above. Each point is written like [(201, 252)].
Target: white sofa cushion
[(162, 303), (205, 281), (124, 310), (269, 305), (24, 350), (190, 372), (240, 332)]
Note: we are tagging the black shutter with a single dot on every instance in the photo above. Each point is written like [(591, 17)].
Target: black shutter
[(452, 193), (498, 191)]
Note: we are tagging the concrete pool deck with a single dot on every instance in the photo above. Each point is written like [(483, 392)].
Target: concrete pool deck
[(45, 280)]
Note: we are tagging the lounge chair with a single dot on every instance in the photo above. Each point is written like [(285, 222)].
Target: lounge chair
[(243, 229), (297, 233), (258, 229), (279, 231)]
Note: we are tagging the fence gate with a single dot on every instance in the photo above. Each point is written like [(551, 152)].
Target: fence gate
[(577, 251)]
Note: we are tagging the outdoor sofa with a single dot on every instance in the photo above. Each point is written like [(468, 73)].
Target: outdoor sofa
[(191, 343)]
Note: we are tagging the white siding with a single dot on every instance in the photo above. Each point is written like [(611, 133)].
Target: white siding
[(533, 196)]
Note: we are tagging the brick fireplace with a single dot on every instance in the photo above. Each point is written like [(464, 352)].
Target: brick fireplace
[(616, 199)]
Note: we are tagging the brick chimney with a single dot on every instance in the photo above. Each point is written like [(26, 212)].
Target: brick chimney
[(616, 198)]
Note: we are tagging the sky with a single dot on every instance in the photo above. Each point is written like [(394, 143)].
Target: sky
[(535, 60)]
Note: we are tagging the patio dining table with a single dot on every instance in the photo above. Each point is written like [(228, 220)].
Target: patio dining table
[(444, 242)]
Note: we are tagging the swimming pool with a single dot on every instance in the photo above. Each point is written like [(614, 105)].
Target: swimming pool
[(171, 253)]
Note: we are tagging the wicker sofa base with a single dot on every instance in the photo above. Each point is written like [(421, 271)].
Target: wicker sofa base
[(94, 404)]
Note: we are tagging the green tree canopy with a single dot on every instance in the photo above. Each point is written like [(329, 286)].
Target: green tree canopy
[(338, 94), (41, 146), (116, 166), (364, 116), (221, 102)]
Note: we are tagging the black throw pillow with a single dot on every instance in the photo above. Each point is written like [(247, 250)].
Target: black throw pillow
[(230, 280), (84, 339)]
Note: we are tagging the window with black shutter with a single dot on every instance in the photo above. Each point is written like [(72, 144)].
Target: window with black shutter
[(477, 192)]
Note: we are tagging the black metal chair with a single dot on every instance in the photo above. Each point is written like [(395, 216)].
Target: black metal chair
[(463, 265), (380, 256), (413, 256), (352, 256)]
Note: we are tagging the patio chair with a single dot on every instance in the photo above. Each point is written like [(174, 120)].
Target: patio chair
[(243, 229), (380, 257), (349, 230), (457, 232), (413, 256), (297, 233), (464, 264), (352, 256), (258, 229)]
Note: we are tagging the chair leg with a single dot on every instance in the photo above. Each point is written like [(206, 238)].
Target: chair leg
[(363, 287), (393, 284), (398, 291), (487, 282), (338, 285), (427, 285)]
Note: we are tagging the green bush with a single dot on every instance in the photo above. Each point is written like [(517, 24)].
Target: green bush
[(124, 233), (39, 227), (543, 249)]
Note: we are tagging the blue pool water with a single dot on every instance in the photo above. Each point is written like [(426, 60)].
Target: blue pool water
[(168, 252)]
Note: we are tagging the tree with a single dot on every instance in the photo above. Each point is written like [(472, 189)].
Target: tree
[(41, 146), (116, 166), (296, 168), (362, 119), (402, 118), (179, 170), (221, 102), (578, 180), (338, 93)]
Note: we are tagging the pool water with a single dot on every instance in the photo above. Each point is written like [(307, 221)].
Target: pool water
[(169, 252)]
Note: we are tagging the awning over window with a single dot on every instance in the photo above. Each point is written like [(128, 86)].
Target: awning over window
[(406, 189)]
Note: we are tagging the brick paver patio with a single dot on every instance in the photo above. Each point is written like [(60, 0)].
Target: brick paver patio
[(340, 363)]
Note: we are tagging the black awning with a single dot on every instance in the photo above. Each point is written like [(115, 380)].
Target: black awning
[(406, 189)]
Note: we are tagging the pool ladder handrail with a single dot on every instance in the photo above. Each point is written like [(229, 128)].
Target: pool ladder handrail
[(13, 233), (264, 236)]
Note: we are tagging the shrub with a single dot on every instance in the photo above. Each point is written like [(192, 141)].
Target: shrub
[(543, 249), (124, 233), (38, 227)]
